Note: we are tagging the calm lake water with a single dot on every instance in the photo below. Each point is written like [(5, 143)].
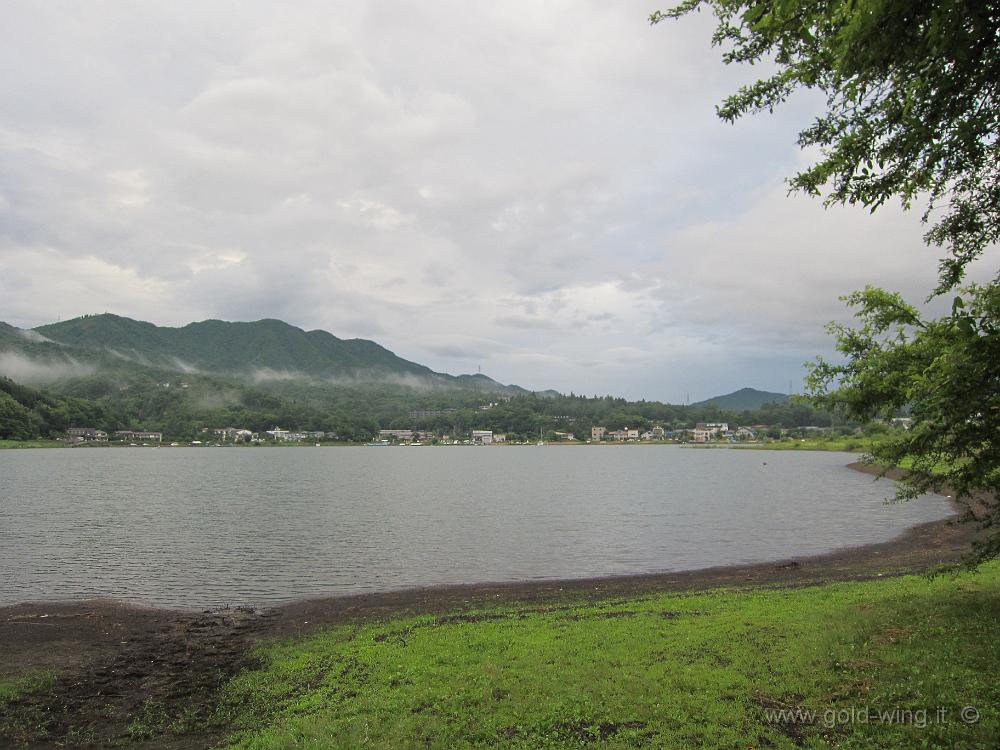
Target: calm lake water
[(212, 526)]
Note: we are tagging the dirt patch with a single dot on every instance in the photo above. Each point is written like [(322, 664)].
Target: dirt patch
[(790, 718), (582, 732), (613, 615), (153, 687)]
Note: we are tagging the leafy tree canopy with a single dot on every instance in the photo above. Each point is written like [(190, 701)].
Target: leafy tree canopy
[(913, 103), (945, 372)]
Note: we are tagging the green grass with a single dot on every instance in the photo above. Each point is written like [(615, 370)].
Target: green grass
[(31, 444), (28, 682), (849, 444), (24, 725), (672, 670)]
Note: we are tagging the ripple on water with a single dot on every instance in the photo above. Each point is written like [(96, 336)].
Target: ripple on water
[(202, 527)]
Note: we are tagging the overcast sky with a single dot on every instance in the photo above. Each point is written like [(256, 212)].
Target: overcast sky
[(537, 189)]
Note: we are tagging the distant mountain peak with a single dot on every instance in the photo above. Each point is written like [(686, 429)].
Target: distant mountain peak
[(744, 399)]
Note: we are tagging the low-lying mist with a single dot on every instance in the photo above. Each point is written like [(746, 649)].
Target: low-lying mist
[(24, 369)]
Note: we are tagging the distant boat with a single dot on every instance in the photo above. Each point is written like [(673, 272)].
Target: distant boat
[(378, 444)]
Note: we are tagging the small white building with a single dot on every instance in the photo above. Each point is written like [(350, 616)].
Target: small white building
[(396, 434), (482, 437)]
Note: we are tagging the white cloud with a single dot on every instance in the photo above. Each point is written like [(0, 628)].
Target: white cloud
[(27, 370)]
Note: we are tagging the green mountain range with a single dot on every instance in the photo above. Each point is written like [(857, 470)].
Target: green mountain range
[(113, 373), (745, 399), (261, 350)]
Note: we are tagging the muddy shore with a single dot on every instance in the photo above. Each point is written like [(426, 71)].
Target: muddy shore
[(113, 661)]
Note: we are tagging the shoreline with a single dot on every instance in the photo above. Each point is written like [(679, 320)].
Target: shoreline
[(765, 446), (101, 661), (852, 556), (946, 534), (92, 622)]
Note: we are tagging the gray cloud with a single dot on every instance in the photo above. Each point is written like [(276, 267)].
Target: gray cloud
[(455, 352), (547, 193), (511, 321)]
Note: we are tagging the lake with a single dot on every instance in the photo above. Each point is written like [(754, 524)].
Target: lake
[(200, 527)]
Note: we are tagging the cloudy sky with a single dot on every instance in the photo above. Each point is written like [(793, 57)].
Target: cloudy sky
[(537, 189)]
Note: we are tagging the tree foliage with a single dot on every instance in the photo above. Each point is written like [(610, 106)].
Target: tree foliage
[(26, 413), (913, 103), (944, 371), (132, 399)]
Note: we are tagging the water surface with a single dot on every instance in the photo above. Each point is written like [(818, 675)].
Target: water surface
[(197, 527)]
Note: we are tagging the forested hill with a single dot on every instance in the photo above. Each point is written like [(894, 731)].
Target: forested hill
[(262, 349), (744, 399), (26, 413)]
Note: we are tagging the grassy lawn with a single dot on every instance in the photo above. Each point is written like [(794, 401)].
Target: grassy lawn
[(31, 444), (848, 444), (673, 670)]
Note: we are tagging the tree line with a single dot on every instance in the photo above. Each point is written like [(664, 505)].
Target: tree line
[(353, 412)]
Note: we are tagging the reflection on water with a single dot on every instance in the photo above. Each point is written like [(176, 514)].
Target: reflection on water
[(210, 526)]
